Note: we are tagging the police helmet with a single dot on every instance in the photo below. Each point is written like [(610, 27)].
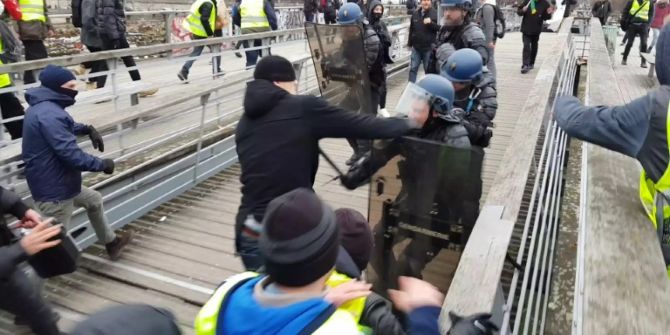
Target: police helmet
[(463, 66), (433, 93), (349, 13), (441, 91), (464, 4)]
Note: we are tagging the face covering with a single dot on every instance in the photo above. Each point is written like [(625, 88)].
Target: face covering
[(70, 93)]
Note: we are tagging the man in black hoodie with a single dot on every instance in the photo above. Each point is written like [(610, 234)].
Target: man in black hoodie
[(277, 143), (534, 14)]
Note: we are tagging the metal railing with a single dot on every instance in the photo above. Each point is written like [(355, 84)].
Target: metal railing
[(222, 105), (524, 177), (536, 252)]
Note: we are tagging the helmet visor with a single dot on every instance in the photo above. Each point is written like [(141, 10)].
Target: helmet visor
[(414, 103)]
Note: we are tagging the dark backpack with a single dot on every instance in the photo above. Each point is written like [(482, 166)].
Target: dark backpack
[(11, 46), (498, 19)]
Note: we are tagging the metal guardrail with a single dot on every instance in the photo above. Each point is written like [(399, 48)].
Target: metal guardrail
[(484, 255), (536, 252)]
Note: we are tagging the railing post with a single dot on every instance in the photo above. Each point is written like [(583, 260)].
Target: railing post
[(112, 64), (204, 99)]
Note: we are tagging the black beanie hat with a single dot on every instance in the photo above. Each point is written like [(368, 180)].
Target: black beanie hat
[(54, 77), (274, 68), (355, 235), (300, 239)]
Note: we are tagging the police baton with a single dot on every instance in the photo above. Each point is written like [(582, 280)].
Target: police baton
[(332, 164)]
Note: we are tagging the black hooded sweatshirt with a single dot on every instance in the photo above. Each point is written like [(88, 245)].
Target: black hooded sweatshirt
[(277, 141)]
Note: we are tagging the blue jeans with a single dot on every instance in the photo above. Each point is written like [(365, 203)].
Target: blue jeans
[(247, 248), (252, 55), (415, 60)]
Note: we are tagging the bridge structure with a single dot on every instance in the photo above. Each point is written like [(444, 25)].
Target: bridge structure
[(585, 258)]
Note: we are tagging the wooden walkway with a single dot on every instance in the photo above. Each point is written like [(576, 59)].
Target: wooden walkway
[(184, 248)]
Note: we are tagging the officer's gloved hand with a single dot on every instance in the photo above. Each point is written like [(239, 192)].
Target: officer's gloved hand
[(108, 166), (96, 139), (357, 174), (476, 324), (479, 135)]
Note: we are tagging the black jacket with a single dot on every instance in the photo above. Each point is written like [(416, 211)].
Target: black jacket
[(10, 254), (422, 36), (205, 11), (277, 141), (467, 35), (111, 19), (531, 24)]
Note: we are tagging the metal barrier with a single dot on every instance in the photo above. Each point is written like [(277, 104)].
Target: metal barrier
[(221, 107), (476, 285)]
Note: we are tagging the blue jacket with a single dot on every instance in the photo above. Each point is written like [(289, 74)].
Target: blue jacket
[(241, 307), (53, 159)]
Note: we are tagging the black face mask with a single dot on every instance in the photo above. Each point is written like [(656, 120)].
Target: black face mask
[(70, 93)]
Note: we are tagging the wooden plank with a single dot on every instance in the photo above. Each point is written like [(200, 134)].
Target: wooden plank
[(631, 297), (480, 265)]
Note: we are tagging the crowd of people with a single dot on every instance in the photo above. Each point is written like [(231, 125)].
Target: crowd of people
[(304, 261)]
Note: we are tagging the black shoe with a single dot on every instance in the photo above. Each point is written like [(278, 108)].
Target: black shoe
[(623, 62), (238, 55), (182, 76), (643, 65), (19, 321), (525, 69), (115, 247), (353, 159), (532, 66)]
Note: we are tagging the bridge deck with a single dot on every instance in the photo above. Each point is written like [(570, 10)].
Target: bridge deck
[(184, 248)]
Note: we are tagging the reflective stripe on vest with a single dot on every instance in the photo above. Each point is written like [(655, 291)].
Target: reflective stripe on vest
[(657, 194), (340, 323), (193, 21), (642, 13), (252, 13), (32, 10), (5, 79)]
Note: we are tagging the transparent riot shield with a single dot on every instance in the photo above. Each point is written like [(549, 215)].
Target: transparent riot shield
[(422, 206), (339, 60)]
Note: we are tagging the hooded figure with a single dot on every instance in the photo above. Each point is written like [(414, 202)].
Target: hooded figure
[(637, 129)]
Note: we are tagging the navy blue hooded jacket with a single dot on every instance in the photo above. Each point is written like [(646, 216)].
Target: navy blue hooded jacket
[(53, 159)]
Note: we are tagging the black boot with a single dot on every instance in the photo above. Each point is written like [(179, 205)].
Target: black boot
[(115, 247), (643, 64), (623, 62)]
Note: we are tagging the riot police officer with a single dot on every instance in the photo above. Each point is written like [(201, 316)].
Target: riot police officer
[(350, 14), (433, 173), (459, 30), (475, 93)]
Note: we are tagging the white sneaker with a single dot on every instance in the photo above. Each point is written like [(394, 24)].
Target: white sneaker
[(384, 113)]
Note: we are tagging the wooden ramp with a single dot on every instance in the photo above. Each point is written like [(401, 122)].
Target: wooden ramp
[(184, 248)]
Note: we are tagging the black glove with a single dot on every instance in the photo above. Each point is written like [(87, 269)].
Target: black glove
[(476, 324), (479, 135), (108, 166), (96, 139), (357, 174)]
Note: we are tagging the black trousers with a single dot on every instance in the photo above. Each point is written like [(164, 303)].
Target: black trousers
[(20, 298), (11, 107), (34, 49), (633, 31), (128, 61), (97, 66), (530, 49)]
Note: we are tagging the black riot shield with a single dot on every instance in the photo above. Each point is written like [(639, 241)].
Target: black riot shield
[(339, 59), (422, 206)]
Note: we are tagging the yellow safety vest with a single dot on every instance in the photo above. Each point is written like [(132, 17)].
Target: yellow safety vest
[(340, 322), (5, 79), (642, 13), (253, 15), (654, 194), (32, 10), (193, 22), (355, 307)]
